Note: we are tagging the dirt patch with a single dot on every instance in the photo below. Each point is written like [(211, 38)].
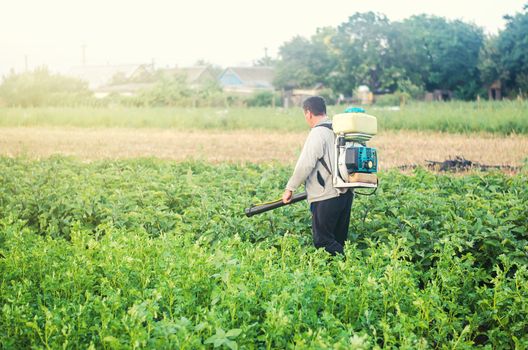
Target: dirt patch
[(395, 148)]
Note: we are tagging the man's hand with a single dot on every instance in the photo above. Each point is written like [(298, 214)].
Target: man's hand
[(287, 196)]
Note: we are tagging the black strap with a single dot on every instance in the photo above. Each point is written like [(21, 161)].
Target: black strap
[(323, 162), (325, 165), (326, 125)]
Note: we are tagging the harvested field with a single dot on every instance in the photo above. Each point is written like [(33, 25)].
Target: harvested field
[(395, 148)]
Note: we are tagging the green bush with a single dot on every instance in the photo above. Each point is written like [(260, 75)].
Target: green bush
[(42, 88), (264, 99), (388, 100)]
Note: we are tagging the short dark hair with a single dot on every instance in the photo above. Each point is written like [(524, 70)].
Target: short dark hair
[(315, 104)]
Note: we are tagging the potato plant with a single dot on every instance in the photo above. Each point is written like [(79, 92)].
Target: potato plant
[(155, 254)]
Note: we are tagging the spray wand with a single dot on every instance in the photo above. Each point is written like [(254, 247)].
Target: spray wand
[(264, 207)]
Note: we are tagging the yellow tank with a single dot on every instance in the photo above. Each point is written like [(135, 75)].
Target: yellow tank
[(355, 123)]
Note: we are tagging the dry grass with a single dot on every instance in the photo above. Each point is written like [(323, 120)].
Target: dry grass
[(395, 148)]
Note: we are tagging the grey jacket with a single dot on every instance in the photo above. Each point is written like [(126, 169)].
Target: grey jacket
[(310, 170)]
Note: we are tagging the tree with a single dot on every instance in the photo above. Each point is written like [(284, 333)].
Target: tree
[(407, 54), (513, 47), (363, 51), (306, 62), (422, 52), (490, 64), (446, 53)]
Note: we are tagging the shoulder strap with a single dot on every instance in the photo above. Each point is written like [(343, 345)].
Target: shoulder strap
[(328, 126), (325, 165), (323, 162)]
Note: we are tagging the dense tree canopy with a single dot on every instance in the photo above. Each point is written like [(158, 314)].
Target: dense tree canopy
[(446, 53), (512, 46), (306, 62), (421, 53), (364, 53)]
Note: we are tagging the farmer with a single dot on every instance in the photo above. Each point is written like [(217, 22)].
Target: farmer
[(330, 207)]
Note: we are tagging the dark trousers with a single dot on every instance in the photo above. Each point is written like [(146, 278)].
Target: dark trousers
[(330, 219)]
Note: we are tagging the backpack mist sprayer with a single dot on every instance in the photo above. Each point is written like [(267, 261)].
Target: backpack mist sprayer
[(354, 165)]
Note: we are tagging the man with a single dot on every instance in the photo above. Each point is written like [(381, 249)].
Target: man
[(330, 207)]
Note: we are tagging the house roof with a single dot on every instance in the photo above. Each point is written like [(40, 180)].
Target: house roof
[(253, 76), (193, 74), (123, 88), (100, 75)]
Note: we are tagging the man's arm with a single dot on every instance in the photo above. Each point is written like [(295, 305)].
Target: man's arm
[(312, 151)]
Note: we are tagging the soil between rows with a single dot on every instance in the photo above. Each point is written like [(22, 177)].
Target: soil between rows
[(394, 148)]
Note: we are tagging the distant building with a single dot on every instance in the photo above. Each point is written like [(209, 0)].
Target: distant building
[(98, 76), (295, 97), (130, 89), (495, 91), (195, 76), (247, 80), (439, 95)]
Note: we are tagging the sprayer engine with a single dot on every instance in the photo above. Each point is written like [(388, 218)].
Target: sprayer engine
[(355, 164)]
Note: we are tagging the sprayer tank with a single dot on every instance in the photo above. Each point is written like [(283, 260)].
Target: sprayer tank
[(355, 123)]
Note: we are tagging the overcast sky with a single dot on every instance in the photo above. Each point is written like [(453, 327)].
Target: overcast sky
[(224, 32)]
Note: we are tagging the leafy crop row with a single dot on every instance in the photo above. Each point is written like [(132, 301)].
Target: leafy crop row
[(147, 253)]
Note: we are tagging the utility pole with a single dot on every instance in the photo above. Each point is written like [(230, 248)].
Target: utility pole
[(266, 59), (26, 62)]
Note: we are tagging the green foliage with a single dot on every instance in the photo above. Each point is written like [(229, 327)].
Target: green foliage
[(408, 89), (447, 53), (505, 117), (145, 253), (172, 91), (425, 52), (502, 117), (388, 100), (490, 62), (329, 96), (153, 254), (306, 63), (512, 46), (42, 88), (362, 47), (264, 99)]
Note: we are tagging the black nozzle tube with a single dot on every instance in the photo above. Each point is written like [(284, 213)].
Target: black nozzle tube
[(258, 209)]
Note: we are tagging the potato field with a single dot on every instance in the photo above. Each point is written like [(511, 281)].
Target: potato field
[(212, 175), (149, 253)]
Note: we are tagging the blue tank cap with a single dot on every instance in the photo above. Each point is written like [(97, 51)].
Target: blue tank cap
[(354, 110)]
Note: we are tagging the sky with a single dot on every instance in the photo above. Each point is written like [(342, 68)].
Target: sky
[(170, 33)]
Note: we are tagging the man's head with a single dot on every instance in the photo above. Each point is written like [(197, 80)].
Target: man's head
[(314, 110)]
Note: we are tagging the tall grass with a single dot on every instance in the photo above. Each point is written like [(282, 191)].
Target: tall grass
[(504, 117)]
